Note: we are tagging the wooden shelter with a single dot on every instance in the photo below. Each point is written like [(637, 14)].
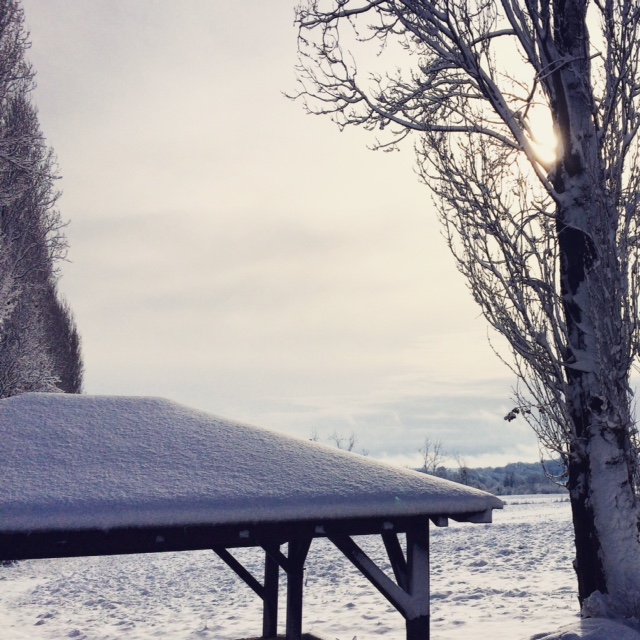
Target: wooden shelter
[(103, 475)]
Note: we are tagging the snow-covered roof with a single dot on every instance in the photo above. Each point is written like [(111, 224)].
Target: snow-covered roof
[(101, 462)]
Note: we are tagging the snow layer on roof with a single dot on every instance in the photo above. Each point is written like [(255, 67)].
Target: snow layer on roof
[(79, 462)]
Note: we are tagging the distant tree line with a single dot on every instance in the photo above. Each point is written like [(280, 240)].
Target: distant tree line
[(39, 340), (516, 478)]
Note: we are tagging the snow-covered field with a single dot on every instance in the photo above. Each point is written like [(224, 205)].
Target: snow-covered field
[(508, 580)]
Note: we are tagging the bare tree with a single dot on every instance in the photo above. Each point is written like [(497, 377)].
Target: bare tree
[(548, 240), (339, 440), (464, 473), (433, 456)]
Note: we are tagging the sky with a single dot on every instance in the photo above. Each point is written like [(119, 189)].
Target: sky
[(232, 253)]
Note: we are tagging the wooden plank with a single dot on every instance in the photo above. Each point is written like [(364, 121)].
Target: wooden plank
[(270, 600), (23, 545), (240, 571), (396, 558), (297, 555)]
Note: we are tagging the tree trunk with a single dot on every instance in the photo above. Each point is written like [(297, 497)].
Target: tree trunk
[(601, 459), (605, 517), (587, 563)]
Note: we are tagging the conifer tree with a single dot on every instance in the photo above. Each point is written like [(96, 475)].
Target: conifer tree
[(35, 327)]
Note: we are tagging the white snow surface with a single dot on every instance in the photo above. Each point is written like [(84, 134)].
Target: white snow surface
[(592, 629), (84, 462), (511, 580)]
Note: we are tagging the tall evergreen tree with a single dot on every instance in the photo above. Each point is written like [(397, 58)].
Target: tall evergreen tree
[(38, 337), (64, 341)]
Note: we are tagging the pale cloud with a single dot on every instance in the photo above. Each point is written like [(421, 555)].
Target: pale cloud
[(232, 253)]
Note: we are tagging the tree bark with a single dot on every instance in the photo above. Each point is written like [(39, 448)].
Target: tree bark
[(601, 458)]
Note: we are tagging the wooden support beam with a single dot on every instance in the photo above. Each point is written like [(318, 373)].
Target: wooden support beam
[(274, 551), (411, 595), (440, 521), (418, 578), (71, 543), (396, 558), (297, 555), (399, 598), (268, 593), (478, 517), (270, 604), (242, 573)]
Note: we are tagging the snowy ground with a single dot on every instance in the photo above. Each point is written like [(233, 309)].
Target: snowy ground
[(509, 580)]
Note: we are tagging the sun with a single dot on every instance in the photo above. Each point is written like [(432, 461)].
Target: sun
[(543, 137)]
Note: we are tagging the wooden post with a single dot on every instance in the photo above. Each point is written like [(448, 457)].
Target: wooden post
[(418, 628), (295, 582), (418, 580), (270, 603)]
